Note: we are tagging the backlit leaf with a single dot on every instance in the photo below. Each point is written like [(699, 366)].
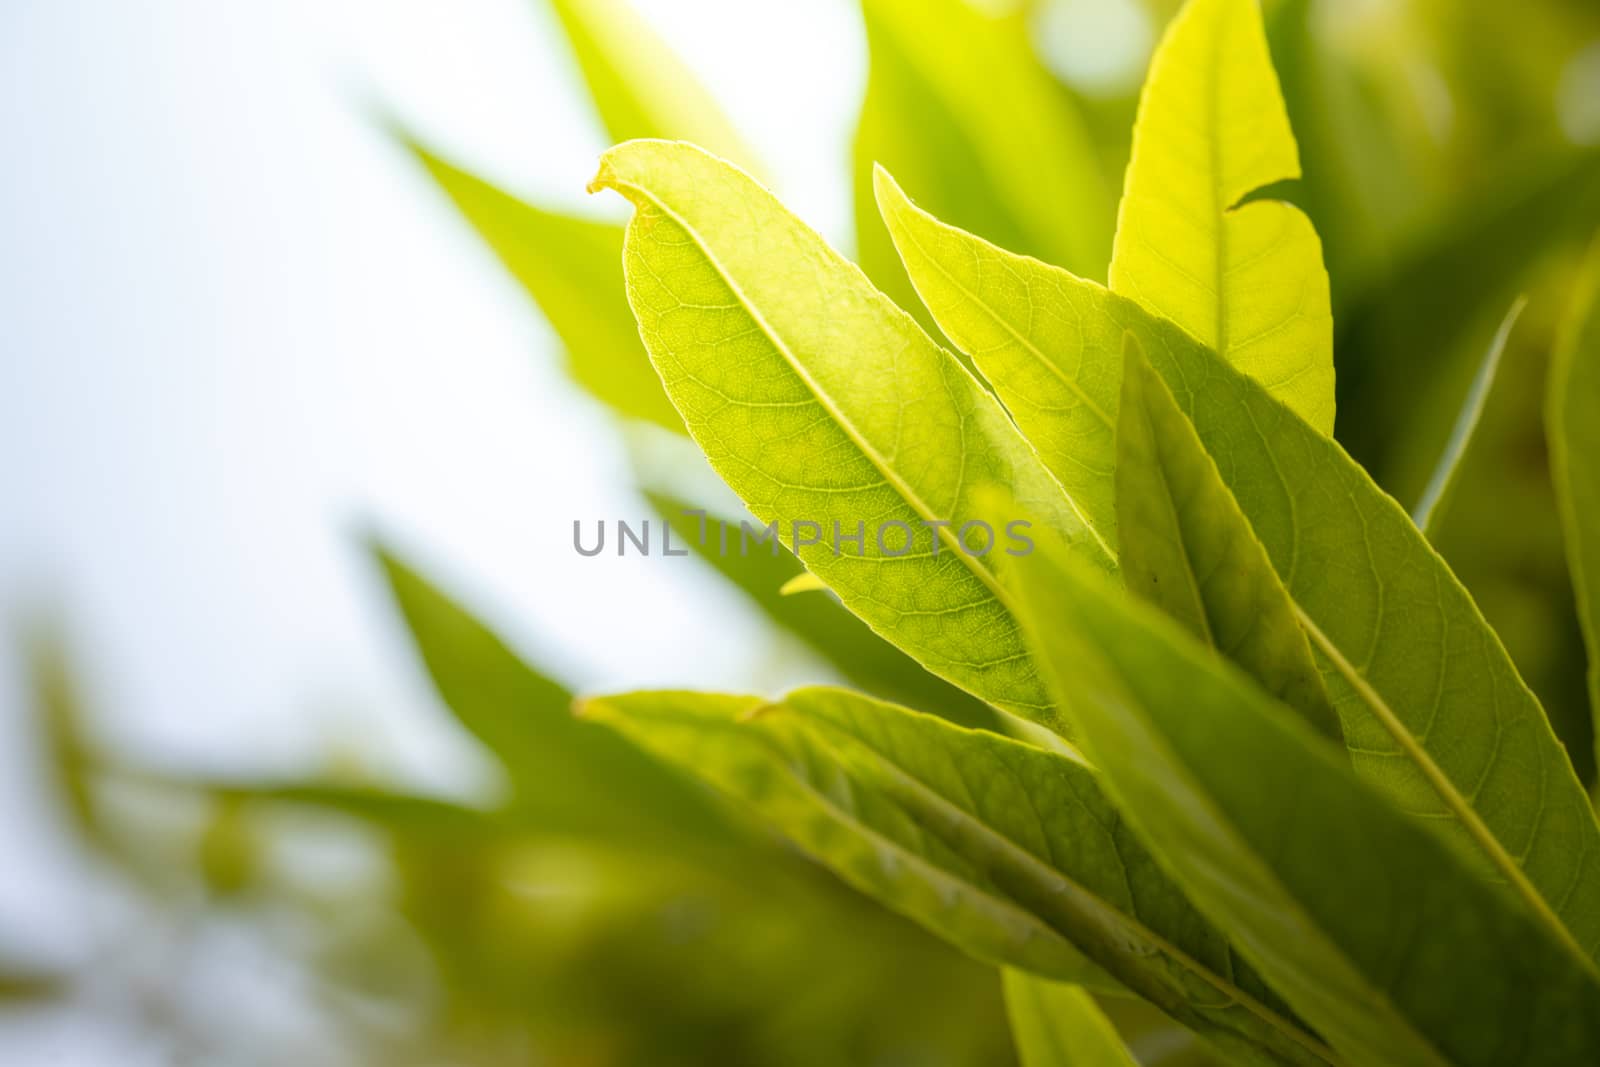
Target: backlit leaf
[(820, 402), (1244, 277)]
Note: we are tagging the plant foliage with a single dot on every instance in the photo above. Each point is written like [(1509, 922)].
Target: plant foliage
[(1301, 799)]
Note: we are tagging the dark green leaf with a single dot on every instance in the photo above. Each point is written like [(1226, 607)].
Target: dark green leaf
[(1368, 925)]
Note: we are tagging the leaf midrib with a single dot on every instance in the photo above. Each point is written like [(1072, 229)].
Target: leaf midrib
[(1447, 791), (909, 495)]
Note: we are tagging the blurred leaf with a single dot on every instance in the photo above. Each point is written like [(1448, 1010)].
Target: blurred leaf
[(1059, 1025), (24, 988), (823, 623), (1432, 707), (566, 775), (1188, 549), (940, 71), (570, 268), (1437, 494), (404, 813), (640, 87), (1009, 851), (779, 351), (230, 853), (1360, 184), (1367, 924), (58, 702), (1243, 275), (1574, 428)]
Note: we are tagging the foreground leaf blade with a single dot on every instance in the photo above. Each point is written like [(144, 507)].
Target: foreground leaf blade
[(1429, 507), (1007, 850), (1059, 1025), (1187, 548), (569, 267), (1432, 708), (1574, 432), (819, 401), (1369, 926), (1245, 278), (1055, 365)]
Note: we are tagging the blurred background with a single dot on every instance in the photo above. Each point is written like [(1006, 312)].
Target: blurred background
[(312, 350)]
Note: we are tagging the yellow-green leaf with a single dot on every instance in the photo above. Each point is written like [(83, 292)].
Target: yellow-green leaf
[(820, 402), (1573, 424), (1187, 547), (804, 582), (1245, 278), (1059, 1025), (1053, 356), (641, 88)]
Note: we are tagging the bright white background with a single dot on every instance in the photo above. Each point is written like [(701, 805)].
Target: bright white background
[(237, 326)]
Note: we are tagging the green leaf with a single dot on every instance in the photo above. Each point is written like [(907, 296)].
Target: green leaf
[(1368, 925), (1430, 507), (1055, 364), (566, 776), (1573, 425), (75, 764), (1187, 548), (640, 87), (940, 70), (860, 655), (1009, 851), (819, 401), (1432, 708), (401, 813), (1244, 276), (1060, 1025), (569, 266)]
